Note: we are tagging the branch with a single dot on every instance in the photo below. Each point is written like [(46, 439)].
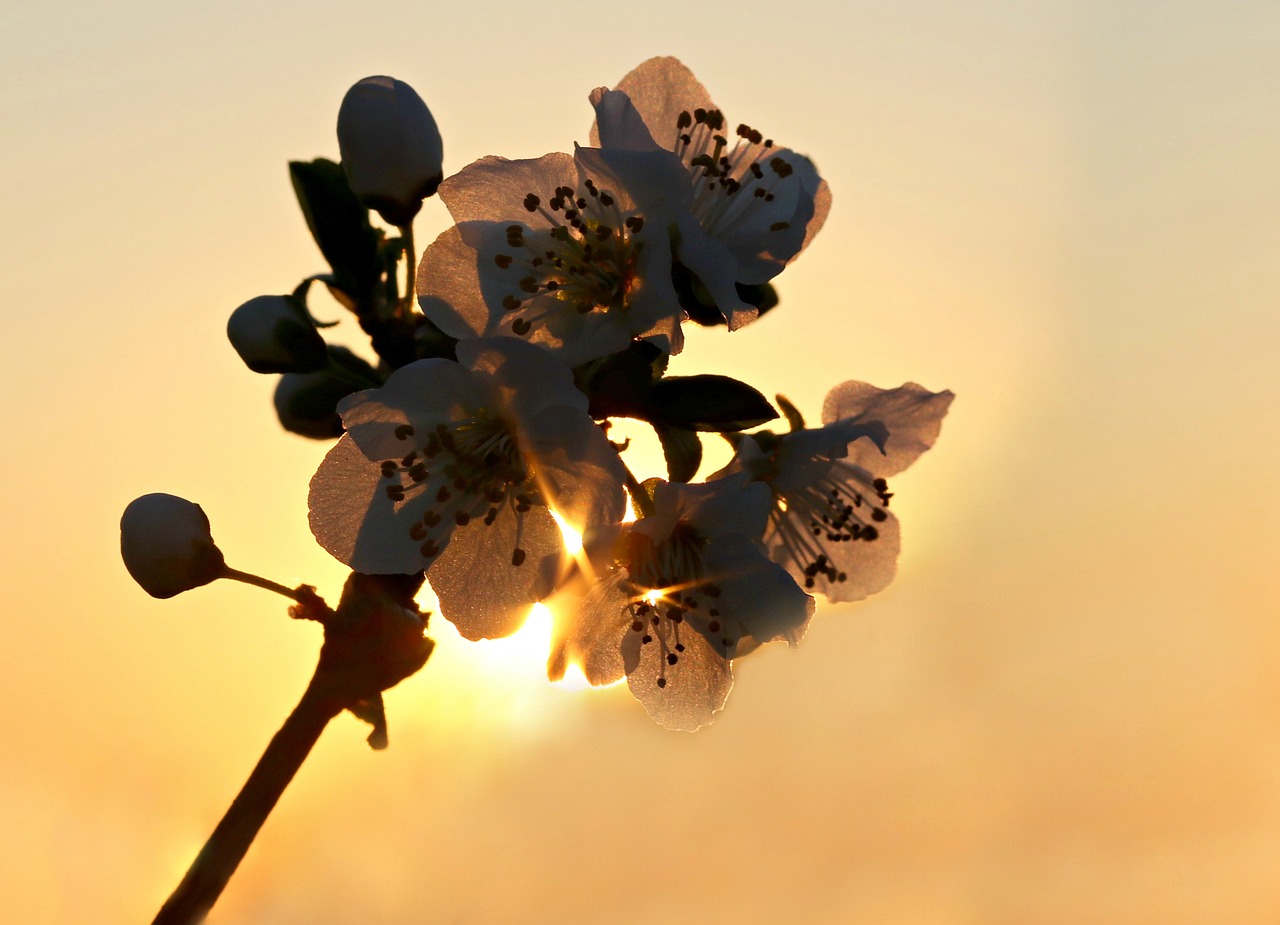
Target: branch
[(222, 853)]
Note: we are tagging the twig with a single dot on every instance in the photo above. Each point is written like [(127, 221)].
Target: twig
[(222, 853)]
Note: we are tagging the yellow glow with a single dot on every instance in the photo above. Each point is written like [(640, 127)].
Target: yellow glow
[(522, 653), (574, 679), (572, 538)]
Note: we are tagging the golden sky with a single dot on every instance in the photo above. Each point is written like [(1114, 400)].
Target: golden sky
[(1067, 708)]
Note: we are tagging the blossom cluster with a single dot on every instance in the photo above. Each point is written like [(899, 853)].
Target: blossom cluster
[(549, 309)]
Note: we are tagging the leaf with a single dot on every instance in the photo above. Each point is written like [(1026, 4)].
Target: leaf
[(338, 223), (701, 307), (683, 452), (707, 403), (794, 418), (619, 385)]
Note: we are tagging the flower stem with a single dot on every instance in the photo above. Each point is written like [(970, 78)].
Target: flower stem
[(410, 270), (222, 853), (259, 582), (639, 497)]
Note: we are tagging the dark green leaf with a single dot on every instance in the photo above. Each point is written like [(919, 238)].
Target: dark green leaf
[(794, 418), (339, 224), (683, 451), (619, 385), (709, 403)]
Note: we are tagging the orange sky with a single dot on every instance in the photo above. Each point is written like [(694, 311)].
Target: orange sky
[(1065, 710)]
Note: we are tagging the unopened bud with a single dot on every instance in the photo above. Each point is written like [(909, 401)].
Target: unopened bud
[(273, 334), (167, 546), (306, 402), (391, 149)]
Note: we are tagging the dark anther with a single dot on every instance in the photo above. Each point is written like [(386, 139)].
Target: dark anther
[(531, 202)]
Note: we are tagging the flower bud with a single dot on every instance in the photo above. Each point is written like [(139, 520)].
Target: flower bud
[(391, 149), (273, 334), (305, 402), (167, 546)]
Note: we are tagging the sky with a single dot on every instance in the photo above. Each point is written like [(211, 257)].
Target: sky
[(1065, 709)]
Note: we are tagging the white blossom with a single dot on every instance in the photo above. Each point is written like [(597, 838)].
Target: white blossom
[(455, 467), (557, 251), (830, 525), (755, 205), (679, 594)]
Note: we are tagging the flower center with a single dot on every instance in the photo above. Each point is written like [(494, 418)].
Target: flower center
[(460, 473), (671, 592), (729, 182), (841, 507), (585, 262)]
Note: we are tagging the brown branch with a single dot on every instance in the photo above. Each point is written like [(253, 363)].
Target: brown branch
[(222, 853), (372, 642)]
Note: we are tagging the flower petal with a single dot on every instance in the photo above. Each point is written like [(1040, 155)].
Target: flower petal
[(868, 566), (449, 289), (911, 412), (590, 632), (764, 240), (659, 89), (733, 504), (577, 469), (356, 526), (692, 690), (758, 597), (480, 591), (494, 188), (716, 267), (618, 123)]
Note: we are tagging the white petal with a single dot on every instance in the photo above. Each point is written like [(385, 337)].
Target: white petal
[(712, 263), (481, 591), (449, 287), (729, 505), (526, 379), (354, 522), (758, 597), (694, 688), (618, 123), (660, 89), (589, 631), (494, 188), (769, 235), (655, 182), (577, 468), (805, 456), (911, 412), (868, 565), (421, 395)]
